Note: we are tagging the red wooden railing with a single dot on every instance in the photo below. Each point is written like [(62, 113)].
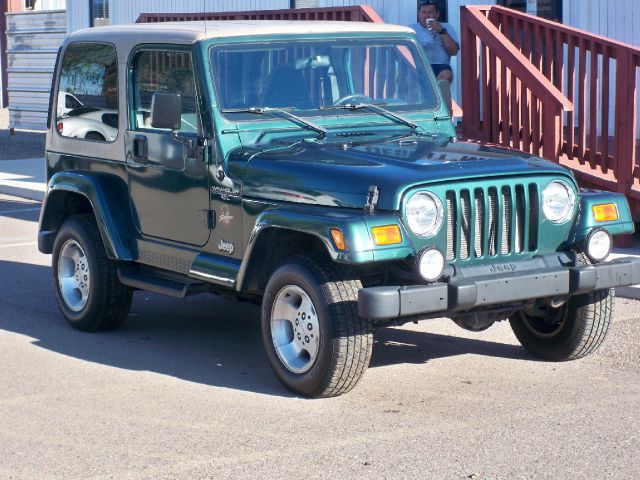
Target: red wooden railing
[(359, 13), (552, 90)]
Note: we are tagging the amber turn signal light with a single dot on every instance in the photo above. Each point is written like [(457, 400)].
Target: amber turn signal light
[(386, 235), (338, 239), (605, 212)]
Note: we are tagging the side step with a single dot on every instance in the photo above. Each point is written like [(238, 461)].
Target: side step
[(134, 276)]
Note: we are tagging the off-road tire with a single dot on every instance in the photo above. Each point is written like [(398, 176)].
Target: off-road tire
[(108, 301), (583, 325), (346, 339)]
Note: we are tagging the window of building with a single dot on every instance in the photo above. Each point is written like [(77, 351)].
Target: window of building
[(99, 11), (87, 105), (549, 9)]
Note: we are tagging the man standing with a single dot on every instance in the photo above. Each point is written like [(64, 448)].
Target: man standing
[(439, 40)]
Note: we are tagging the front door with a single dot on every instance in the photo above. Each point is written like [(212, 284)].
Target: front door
[(168, 180)]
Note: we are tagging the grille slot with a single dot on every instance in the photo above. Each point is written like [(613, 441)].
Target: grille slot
[(505, 221), (465, 217), (451, 234), (491, 221)]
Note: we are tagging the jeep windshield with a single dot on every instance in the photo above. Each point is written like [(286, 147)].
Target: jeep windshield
[(321, 77)]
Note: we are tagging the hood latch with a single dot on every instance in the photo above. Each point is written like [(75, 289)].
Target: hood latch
[(372, 199)]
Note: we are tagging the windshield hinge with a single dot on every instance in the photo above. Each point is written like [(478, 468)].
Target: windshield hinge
[(372, 199)]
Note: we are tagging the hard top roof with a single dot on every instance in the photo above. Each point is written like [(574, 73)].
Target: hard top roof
[(189, 32)]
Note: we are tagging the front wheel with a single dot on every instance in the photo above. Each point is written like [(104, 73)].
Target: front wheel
[(87, 288), (570, 332), (316, 342)]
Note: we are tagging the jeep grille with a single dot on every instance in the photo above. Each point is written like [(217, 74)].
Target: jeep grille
[(491, 221)]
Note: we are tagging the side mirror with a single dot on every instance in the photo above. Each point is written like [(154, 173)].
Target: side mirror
[(166, 111)]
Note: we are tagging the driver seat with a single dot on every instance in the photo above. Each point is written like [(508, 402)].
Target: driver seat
[(287, 87)]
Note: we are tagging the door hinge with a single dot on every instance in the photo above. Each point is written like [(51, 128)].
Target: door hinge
[(202, 150), (208, 217)]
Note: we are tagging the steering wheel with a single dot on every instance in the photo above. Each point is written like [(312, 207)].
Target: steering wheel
[(353, 98)]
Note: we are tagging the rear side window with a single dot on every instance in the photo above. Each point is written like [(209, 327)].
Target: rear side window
[(87, 105)]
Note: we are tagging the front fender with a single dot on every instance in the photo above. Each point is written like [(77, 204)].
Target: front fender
[(318, 222), (108, 197), (585, 222), (356, 227)]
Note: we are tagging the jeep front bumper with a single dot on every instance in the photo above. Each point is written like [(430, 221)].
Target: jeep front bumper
[(540, 277)]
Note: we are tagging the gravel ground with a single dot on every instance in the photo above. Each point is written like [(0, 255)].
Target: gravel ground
[(22, 144)]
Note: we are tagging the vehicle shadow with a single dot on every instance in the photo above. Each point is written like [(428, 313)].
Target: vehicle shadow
[(204, 338), (22, 144), (20, 209), (395, 345)]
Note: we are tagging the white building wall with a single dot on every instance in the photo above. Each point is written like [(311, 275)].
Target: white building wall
[(617, 21), (127, 11), (50, 5)]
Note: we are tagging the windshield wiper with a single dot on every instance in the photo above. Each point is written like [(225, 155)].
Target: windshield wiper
[(379, 109), (281, 112)]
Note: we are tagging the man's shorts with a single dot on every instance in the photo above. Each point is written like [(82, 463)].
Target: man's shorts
[(440, 67)]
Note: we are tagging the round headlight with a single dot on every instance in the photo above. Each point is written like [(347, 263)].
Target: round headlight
[(598, 245), (431, 264), (558, 201), (424, 214)]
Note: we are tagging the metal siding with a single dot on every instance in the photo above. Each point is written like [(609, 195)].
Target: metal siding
[(3, 18), (125, 11), (32, 43), (77, 15)]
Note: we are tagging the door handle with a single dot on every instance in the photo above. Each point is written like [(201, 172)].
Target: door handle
[(140, 149)]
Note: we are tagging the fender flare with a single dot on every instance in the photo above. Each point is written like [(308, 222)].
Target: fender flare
[(108, 196), (317, 222)]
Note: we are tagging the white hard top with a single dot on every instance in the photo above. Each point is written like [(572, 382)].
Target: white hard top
[(200, 30)]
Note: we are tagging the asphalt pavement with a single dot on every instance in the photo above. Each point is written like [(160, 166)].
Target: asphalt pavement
[(183, 390)]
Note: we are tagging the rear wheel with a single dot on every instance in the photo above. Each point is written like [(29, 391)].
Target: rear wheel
[(315, 341), (88, 291)]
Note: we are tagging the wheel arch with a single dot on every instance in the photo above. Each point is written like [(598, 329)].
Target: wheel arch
[(271, 246), (104, 196)]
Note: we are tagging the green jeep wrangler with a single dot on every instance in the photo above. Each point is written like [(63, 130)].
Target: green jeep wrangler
[(312, 167)]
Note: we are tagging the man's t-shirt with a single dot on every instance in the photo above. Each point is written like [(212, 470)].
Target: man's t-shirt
[(431, 41)]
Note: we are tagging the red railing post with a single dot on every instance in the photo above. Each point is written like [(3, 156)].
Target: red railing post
[(469, 74), (551, 115), (625, 125)]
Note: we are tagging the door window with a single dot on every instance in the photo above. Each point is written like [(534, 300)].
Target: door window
[(166, 71)]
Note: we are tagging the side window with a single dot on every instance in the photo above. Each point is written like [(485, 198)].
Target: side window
[(166, 71), (87, 104)]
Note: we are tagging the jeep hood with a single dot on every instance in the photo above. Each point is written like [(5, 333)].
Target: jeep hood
[(339, 174)]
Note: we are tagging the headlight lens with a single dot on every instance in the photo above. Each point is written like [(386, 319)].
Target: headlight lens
[(558, 201), (424, 214)]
